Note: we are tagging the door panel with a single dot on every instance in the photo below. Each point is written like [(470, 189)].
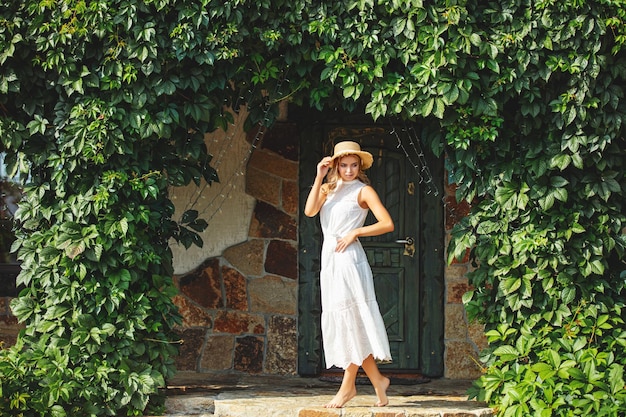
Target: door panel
[(389, 284)]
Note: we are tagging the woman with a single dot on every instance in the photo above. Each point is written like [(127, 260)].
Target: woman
[(353, 331)]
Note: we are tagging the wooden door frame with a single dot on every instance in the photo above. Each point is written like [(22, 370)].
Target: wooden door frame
[(431, 216)]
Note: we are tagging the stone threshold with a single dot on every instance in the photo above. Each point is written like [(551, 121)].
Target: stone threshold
[(200, 395)]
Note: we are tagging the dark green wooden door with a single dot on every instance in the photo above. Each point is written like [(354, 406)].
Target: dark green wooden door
[(392, 256), (407, 263)]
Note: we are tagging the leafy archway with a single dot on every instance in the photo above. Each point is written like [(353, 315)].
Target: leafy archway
[(105, 104)]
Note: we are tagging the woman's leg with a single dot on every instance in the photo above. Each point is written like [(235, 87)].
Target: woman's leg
[(347, 391), (380, 382)]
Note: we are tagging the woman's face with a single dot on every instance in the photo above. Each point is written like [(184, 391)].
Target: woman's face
[(348, 167)]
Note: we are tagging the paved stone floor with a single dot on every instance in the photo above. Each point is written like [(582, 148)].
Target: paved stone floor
[(202, 395)]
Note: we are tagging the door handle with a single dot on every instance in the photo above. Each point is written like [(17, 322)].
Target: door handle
[(409, 246), (408, 241)]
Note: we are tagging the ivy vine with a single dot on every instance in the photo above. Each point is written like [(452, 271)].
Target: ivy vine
[(104, 105)]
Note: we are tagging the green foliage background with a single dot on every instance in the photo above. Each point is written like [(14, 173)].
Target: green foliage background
[(104, 104)]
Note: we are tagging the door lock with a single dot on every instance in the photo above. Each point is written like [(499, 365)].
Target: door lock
[(409, 246)]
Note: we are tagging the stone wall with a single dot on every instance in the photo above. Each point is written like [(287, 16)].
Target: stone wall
[(9, 327), (463, 340), (240, 308)]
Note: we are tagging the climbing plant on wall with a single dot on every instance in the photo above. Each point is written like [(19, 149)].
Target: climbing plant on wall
[(546, 233), (105, 103)]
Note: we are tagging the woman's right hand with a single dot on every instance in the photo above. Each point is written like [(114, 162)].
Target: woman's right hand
[(316, 197), (323, 166)]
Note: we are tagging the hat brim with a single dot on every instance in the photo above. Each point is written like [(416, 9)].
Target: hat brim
[(366, 158)]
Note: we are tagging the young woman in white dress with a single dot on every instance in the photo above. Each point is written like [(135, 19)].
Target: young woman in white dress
[(353, 331)]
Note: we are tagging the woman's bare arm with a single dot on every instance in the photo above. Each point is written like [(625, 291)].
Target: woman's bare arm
[(317, 196)]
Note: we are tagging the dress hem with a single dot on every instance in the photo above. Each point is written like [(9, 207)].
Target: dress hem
[(378, 360)]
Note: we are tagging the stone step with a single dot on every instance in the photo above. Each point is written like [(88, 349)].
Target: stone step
[(294, 407), (304, 397), (307, 406)]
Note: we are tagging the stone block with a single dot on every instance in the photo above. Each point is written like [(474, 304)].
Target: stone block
[(9, 330), (274, 164), (282, 259), (324, 412), (235, 289), (269, 222), (218, 353), (455, 211), (8, 319), (461, 361), (456, 272), (387, 412), (236, 322), (476, 333), (249, 354), (5, 310), (282, 346), (247, 257), (456, 325), (193, 316), (192, 405), (203, 285), (264, 186), (282, 139), (190, 349), (272, 294), (455, 291), (449, 188), (289, 197), (421, 413)]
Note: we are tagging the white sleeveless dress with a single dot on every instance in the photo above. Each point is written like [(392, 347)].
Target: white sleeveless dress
[(352, 326)]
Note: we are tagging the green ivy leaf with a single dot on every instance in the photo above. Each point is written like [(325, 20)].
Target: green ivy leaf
[(506, 353)]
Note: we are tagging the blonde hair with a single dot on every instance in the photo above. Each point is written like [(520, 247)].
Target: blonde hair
[(333, 174)]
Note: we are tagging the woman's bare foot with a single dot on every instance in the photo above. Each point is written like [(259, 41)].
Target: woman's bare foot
[(341, 398), (381, 392)]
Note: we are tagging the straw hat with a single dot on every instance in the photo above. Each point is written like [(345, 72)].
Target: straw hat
[(353, 148)]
